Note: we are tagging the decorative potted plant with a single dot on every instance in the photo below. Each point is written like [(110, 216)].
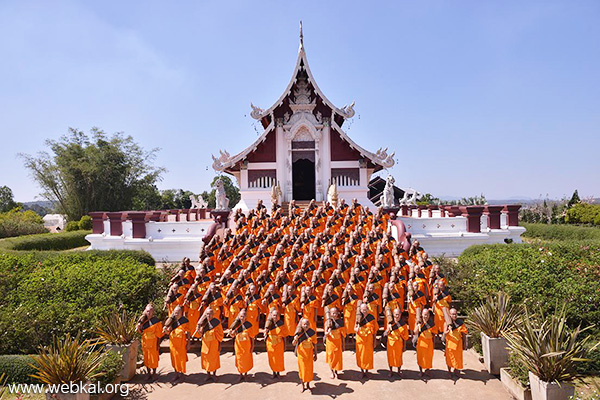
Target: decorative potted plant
[(550, 350), (494, 318), (117, 330), (110, 370), (515, 379), (65, 361)]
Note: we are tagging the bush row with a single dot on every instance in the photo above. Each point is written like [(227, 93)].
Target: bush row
[(560, 232), (17, 222), (583, 213), (46, 241), (17, 368), (46, 293)]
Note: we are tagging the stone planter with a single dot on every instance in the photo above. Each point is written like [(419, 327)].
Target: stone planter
[(107, 396), (68, 396), (513, 386), (129, 353), (541, 390), (495, 353)]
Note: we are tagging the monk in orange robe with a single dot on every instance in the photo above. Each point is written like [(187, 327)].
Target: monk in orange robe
[(291, 304), (305, 340), (425, 332), (455, 334), (441, 306), (349, 302), (241, 329), (176, 328), (275, 333), (210, 330), (366, 327), (397, 335), (335, 333), (151, 329)]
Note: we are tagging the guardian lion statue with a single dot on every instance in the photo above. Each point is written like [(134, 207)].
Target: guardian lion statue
[(388, 200), (221, 197)]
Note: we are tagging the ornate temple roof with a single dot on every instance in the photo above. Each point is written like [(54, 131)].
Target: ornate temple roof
[(280, 110)]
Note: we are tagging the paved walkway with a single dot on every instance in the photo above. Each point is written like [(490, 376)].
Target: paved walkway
[(475, 382)]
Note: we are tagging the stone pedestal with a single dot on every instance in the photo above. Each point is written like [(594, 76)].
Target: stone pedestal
[(454, 211), (473, 214), (138, 222), (98, 219), (224, 214), (512, 214), (493, 214), (116, 222)]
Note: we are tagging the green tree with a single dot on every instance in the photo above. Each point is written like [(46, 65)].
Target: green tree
[(574, 199), (427, 199), (231, 190), (94, 172), (7, 202)]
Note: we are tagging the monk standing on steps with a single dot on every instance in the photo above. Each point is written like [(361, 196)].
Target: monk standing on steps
[(275, 333), (335, 334), (305, 340), (397, 335), (210, 330), (176, 328), (241, 330), (424, 331), (455, 336), (151, 329), (366, 328)]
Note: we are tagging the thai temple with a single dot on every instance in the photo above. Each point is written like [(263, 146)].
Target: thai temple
[(302, 154)]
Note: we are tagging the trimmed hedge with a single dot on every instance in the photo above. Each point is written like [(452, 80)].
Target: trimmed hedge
[(540, 276), (18, 368), (560, 232), (47, 241), (47, 293)]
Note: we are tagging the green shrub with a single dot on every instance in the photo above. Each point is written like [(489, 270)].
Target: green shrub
[(583, 213), (109, 368), (72, 226), (46, 294), (17, 223), (46, 241), (18, 368), (560, 232), (85, 223)]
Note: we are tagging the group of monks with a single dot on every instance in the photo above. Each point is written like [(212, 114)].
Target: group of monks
[(280, 278)]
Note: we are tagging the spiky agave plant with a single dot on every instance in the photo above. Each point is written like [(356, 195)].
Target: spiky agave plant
[(495, 316), (68, 359), (117, 328), (548, 347)]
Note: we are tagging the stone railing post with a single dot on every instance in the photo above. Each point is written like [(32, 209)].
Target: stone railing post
[(98, 218), (116, 222), (154, 216), (186, 214), (138, 224), (420, 211), (176, 213), (454, 211), (473, 214), (430, 209), (512, 214), (493, 214), (404, 211)]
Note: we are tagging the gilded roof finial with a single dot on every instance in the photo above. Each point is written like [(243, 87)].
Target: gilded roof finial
[(301, 35)]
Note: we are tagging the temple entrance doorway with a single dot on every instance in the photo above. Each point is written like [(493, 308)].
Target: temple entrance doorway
[(303, 178)]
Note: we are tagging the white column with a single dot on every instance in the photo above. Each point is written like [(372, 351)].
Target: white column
[(326, 155)]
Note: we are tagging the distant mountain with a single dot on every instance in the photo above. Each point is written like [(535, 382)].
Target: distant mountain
[(41, 207)]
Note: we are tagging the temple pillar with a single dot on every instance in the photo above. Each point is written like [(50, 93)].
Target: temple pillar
[(138, 223), (116, 222), (493, 214), (473, 214), (512, 214), (98, 218)]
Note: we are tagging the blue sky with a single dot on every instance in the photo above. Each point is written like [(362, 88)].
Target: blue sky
[(493, 97)]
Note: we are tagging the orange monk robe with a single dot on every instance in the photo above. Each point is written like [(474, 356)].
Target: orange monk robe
[(253, 313), (309, 311), (425, 345), (290, 314), (211, 343), (350, 314), (215, 303), (276, 346), (454, 345), (304, 351), (443, 301), (334, 345), (193, 311), (178, 345), (151, 333), (395, 344), (235, 305), (243, 348), (418, 301), (364, 342)]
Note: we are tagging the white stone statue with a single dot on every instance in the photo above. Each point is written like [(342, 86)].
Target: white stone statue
[(275, 194), (332, 194), (382, 158), (410, 197), (221, 197), (387, 200), (198, 201)]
